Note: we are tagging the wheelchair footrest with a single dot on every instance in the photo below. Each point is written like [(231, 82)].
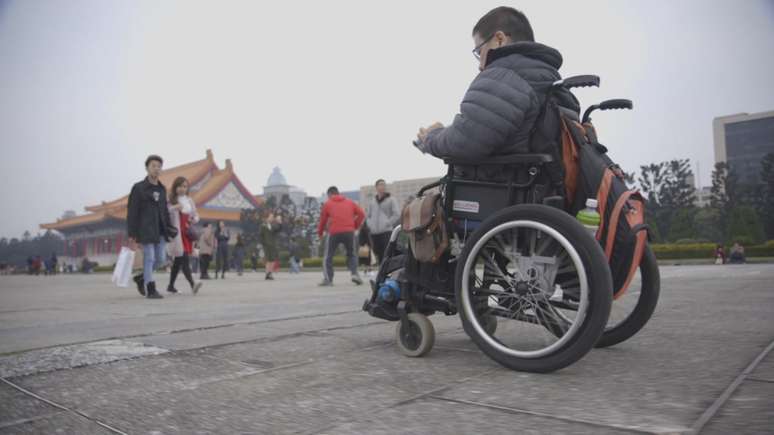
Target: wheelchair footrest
[(381, 311)]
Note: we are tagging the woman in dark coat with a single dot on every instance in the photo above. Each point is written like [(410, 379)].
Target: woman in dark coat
[(222, 235)]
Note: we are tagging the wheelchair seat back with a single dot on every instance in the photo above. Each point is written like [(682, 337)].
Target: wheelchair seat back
[(476, 190)]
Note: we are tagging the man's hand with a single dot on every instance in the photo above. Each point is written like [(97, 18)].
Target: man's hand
[(422, 135)]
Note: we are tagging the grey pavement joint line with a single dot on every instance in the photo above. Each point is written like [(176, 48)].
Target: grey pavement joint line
[(556, 417), (720, 401), (760, 380), (7, 424), (62, 407), (178, 331), (411, 399)]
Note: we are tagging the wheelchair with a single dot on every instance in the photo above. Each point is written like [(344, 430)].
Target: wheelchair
[(531, 285)]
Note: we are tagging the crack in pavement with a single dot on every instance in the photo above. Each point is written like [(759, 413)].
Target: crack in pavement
[(62, 407), (634, 429), (717, 405)]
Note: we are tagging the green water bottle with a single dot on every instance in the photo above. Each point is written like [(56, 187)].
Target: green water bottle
[(589, 216)]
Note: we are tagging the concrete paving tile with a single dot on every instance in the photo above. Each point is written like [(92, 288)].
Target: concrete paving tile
[(431, 416), (124, 380), (750, 410), (61, 423), (18, 406)]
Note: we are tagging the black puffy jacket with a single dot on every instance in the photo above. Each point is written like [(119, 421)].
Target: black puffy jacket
[(147, 215), (501, 105)]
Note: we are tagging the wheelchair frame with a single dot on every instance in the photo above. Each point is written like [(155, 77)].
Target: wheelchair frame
[(467, 199)]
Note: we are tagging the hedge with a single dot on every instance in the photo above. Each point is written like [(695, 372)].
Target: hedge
[(673, 251)]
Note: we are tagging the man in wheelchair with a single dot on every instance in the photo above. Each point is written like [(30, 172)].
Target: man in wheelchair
[(492, 240), (505, 99)]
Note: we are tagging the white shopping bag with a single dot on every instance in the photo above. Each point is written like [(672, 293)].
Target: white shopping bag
[(122, 274)]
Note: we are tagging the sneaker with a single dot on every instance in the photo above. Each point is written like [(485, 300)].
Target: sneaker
[(172, 290), (357, 280), (195, 289), (140, 284), (325, 283)]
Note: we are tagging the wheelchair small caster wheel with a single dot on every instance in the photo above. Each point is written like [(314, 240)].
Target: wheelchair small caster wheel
[(417, 337)]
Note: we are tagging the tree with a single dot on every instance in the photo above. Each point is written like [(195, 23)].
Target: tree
[(668, 191), (744, 225), (708, 225), (682, 224), (651, 182), (677, 191), (725, 193)]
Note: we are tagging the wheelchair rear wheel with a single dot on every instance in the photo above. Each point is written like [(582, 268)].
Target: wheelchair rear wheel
[(544, 278), (632, 310)]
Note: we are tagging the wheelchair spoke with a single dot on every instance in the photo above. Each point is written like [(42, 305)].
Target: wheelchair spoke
[(516, 284)]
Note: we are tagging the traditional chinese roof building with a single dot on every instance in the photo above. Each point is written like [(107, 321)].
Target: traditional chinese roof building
[(99, 233)]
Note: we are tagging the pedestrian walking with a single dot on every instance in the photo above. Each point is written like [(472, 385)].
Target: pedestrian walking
[(340, 218), (382, 215), (364, 250), (222, 237), (270, 229), (254, 259), (239, 255), (182, 215), (206, 244), (148, 224)]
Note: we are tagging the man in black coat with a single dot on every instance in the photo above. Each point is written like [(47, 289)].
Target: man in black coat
[(502, 103), (148, 224)]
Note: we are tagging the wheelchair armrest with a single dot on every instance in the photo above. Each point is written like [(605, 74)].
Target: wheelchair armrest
[(513, 159)]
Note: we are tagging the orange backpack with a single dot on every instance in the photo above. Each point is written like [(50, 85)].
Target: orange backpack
[(590, 173)]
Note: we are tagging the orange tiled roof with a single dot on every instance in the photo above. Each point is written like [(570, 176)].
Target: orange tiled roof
[(194, 171)]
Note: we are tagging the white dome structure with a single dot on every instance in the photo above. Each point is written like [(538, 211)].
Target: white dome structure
[(276, 178)]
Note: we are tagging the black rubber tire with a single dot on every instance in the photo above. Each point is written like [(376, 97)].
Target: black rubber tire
[(600, 288), (490, 324), (424, 332), (646, 304)]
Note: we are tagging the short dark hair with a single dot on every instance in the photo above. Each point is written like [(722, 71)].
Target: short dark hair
[(153, 157), (510, 21), (381, 180), (333, 190)]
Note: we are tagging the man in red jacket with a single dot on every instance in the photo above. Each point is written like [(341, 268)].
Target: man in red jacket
[(340, 217)]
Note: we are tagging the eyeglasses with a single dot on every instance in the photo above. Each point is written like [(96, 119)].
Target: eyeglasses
[(477, 50)]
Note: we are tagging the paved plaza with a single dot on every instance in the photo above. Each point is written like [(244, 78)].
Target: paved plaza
[(79, 356)]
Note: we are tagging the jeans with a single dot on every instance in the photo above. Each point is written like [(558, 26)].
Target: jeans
[(295, 267), (333, 242), (153, 257)]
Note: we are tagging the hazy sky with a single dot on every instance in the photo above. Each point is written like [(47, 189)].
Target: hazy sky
[(333, 92)]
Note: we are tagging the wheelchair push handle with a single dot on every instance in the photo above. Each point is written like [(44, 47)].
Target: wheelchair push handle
[(618, 103), (615, 104), (583, 81)]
